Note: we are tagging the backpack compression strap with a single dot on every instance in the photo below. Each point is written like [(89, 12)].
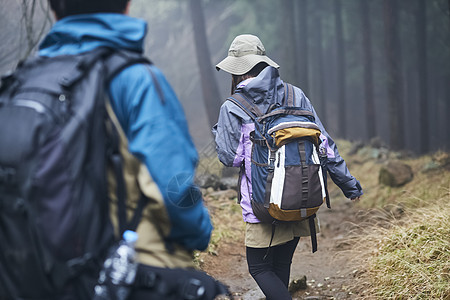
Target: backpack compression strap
[(312, 228)]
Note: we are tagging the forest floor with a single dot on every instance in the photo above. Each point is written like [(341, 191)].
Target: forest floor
[(338, 269), (329, 271)]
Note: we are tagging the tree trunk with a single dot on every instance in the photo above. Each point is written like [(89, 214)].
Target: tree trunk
[(368, 70), (422, 66), (210, 90), (302, 37), (288, 36), (340, 56), (319, 66), (445, 102), (31, 26), (393, 74)]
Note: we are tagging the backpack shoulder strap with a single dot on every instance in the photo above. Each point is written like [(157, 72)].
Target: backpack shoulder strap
[(119, 60), (249, 108), (122, 59), (253, 111), (288, 99), (114, 62)]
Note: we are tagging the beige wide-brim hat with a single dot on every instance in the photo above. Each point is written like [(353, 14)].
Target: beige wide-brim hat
[(245, 52)]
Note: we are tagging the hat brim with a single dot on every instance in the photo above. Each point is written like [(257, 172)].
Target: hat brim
[(242, 64)]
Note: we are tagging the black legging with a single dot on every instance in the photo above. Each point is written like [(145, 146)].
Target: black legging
[(272, 273)]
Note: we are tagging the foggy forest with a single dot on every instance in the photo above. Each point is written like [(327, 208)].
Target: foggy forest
[(370, 68), (378, 74)]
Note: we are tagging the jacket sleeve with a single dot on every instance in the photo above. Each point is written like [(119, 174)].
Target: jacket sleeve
[(228, 136), (157, 131), (336, 166)]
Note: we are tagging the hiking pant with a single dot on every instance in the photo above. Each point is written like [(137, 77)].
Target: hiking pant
[(272, 273)]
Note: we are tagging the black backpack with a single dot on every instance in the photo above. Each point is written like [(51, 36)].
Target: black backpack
[(56, 143)]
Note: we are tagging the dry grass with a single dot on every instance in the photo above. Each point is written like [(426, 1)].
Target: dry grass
[(405, 253), (410, 259)]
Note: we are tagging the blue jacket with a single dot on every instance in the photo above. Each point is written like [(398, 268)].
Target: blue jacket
[(157, 132)]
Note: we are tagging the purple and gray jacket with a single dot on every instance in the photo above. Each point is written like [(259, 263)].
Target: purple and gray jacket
[(234, 148)]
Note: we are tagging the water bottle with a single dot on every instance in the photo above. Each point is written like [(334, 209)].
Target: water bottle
[(119, 270)]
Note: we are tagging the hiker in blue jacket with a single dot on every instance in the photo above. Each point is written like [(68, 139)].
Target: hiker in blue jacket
[(160, 155), (256, 75)]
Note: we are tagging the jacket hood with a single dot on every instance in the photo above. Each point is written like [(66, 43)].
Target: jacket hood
[(265, 89), (81, 33)]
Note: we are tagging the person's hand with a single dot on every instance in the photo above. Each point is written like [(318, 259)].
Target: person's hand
[(356, 199)]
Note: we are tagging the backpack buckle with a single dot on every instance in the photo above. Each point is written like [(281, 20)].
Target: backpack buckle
[(272, 157), (271, 166), (193, 290)]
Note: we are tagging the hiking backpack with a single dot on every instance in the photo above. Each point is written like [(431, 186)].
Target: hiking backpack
[(56, 143), (288, 170)]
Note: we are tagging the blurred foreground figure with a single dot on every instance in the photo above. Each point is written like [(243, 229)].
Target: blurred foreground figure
[(88, 116), (270, 130)]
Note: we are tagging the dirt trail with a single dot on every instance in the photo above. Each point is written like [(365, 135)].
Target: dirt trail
[(329, 271)]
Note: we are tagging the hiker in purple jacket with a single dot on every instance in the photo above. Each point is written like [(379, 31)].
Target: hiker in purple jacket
[(256, 75)]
